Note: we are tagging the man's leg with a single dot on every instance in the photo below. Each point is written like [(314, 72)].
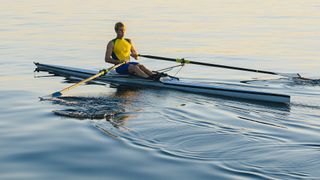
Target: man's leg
[(145, 70), (134, 69)]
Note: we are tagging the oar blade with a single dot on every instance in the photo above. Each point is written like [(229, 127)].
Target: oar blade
[(289, 75), (56, 94)]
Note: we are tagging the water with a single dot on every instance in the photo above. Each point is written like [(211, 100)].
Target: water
[(99, 132)]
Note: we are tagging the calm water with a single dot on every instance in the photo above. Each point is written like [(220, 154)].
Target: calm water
[(98, 132)]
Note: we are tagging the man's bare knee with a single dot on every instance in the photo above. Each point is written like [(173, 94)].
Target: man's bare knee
[(132, 68)]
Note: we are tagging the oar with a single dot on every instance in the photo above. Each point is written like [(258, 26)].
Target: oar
[(101, 73), (185, 61)]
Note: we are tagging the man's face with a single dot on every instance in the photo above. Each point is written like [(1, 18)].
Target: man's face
[(121, 31)]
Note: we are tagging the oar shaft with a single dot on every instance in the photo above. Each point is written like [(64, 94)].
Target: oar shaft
[(81, 82), (101, 73), (208, 64), (234, 68)]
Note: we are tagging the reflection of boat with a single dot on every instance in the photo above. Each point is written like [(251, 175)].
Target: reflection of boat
[(221, 89)]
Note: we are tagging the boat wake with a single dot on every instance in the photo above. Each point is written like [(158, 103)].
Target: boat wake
[(205, 129)]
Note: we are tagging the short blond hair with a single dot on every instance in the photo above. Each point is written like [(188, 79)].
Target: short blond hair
[(118, 25)]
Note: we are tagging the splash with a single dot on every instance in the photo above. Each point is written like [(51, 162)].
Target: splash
[(89, 107), (306, 82), (285, 81)]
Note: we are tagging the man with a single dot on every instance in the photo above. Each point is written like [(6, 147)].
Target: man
[(120, 49)]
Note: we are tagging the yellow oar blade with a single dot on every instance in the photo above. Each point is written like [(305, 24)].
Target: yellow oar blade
[(101, 73)]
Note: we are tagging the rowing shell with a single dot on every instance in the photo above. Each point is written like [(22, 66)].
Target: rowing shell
[(168, 83)]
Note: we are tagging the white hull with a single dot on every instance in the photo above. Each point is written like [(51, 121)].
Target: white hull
[(168, 83)]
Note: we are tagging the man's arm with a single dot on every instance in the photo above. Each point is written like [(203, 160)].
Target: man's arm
[(134, 52), (108, 58)]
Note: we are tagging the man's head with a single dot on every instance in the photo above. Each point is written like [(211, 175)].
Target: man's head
[(120, 29)]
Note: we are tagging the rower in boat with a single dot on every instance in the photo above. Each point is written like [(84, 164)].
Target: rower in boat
[(120, 49), (221, 89)]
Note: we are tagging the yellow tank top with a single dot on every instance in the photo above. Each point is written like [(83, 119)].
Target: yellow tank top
[(121, 49)]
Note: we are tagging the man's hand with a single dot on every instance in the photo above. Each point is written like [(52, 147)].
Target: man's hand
[(135, 56)]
